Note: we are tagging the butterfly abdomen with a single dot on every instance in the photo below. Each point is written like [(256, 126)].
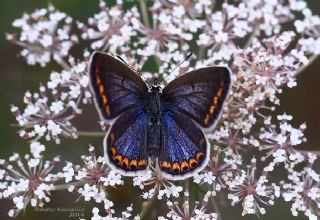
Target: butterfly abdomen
[(153, 108), (154, 136)]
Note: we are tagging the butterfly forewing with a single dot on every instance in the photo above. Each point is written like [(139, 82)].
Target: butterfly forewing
[(116, 86), (199, 94)]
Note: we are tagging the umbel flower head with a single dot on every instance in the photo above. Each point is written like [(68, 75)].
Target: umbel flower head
[(27, 180), (45, 34), (265, 44)]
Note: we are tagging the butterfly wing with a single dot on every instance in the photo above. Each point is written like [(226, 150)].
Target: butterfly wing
[(126, 143), (199, 94), (116, 86), (184, 147), (119, 97), (191, 103)]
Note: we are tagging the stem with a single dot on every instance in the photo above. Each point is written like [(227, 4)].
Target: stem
[(75, 184), (91, 133), (62, 63), (214, 204), (201, 52), (311, 60), (105, 47), (215, 207), (146, 206), (252, 36), (144, 12)]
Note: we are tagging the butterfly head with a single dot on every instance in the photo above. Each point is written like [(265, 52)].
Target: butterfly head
[(155, 88)]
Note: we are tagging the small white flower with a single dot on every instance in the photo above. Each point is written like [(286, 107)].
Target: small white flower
[(36, 148)]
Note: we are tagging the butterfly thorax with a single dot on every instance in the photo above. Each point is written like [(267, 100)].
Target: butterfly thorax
[(153, 105), (154, 110)]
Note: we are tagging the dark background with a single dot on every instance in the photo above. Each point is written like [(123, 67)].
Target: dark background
[(16, 77)]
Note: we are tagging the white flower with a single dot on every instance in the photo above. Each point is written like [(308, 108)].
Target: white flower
[(36, 148), (57, 107), (33, 163), (19, 202), (54, 128)]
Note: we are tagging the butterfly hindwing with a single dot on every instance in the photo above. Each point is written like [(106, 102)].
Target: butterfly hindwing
[(126, 143), (116, 86), (199, 94), (183, 145)]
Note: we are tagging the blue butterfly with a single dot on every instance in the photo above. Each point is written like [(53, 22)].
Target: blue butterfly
[(166, 125)]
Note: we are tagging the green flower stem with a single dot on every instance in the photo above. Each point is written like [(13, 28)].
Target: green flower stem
[(75, 184), (91, 134), (63, 63), (303, 67), (146, 205), (144, 12)]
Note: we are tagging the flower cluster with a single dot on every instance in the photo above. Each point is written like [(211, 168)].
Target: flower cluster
[(252, 191), (95, 175), (266, 44), (45, 116), (27, 180), (111, 29), (198, 212), (303, 191), (161, 185), (72, 82), (44, 34)]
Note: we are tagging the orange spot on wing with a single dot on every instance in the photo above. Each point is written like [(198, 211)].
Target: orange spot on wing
[(206, 119), (108, 110), (125, 162), (101, 89), (184, 165), (98, 80), (212, 108), (97, 69), (192, 162), (142, 163), (104, 99), (175, 167), (118, 158), (133, 164), (219, 92), (165, 165), (199, 156), (215, 100), (113, 151)]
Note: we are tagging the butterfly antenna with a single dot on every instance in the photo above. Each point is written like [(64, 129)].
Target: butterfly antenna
[(187, 58), (120, 58)]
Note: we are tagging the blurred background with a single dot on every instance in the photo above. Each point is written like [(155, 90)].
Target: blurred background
[(16, 77)]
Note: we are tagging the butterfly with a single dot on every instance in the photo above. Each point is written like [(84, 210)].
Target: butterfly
[(153, 124)]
